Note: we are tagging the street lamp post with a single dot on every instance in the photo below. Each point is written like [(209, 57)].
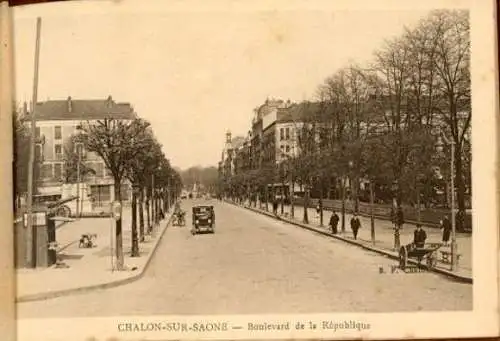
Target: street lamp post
[(454, 247), (396, 215), (344, 180), (372, 217)]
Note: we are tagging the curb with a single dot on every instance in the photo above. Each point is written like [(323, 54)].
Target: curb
[(107, 285), (454, 276)]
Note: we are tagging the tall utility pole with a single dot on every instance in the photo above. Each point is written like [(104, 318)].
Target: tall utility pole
[(30, 260)]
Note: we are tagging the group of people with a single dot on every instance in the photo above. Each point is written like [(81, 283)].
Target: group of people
[(355, 224), (419, 235)]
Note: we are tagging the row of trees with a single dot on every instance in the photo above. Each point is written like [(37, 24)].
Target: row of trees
[(383, 122), (131, 152)]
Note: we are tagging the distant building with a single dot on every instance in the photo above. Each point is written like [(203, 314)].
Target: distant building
[(56, 122)]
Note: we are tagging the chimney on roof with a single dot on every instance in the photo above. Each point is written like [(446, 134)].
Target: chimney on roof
[(70, 104), (110, 101), (228, 137)]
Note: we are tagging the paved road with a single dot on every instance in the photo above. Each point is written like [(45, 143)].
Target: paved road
[(385, 233), (254, 264)]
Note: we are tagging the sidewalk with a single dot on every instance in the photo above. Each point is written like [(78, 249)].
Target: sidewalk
[(88, 268), (384, 236)]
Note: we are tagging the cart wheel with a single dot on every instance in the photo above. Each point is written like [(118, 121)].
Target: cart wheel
[(403, 258), (431, 260)]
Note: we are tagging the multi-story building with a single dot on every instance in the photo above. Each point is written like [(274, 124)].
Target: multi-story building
[(229, 163), (56, 123)]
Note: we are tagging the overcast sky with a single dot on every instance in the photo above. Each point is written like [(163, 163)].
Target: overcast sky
[(194, 74)]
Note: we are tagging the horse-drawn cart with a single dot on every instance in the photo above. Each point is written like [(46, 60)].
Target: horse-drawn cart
[(427, 253)]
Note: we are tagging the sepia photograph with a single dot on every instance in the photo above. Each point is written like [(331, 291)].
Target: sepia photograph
[(237, 170)]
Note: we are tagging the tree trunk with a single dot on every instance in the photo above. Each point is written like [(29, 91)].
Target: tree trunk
[(343, 204), (135, 240), (321, 204), (283, 197), (141, 216), (306, 205), (356, 194), (148, 215), (460, 188), (120, 263), (266, 195)]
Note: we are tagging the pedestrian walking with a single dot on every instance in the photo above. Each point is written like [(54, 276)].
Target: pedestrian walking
[(318, 208), (446, 226), (355, 225), (334, 221), (275, 205)]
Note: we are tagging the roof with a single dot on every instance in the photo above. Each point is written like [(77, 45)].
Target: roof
[(298, 112), (87, 109)]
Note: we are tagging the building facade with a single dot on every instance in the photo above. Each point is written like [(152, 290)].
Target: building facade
[(56, 122)]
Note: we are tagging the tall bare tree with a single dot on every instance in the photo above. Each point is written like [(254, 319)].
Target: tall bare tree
[(110, 139)]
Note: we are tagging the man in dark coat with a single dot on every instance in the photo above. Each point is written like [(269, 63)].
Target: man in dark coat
[(275, 205), (334, 221), (419, 236), (355, 225), (446, 226)]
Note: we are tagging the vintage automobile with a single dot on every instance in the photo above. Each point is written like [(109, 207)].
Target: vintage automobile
[(203, 219)]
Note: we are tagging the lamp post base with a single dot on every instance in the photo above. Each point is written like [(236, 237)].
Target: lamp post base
[(454, 256)]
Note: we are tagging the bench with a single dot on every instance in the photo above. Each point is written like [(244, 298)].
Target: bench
[(446, 256)]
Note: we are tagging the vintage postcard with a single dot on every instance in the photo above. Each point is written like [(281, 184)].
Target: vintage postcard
[(255, 170)]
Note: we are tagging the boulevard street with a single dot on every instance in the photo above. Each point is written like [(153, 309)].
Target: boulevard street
[(255, 264)]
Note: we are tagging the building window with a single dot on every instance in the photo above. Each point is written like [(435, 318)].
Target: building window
[(38, 152), (57, 132), (58, 151), (287, 133), (78, 148), (282, 134), (46, 171), (58, 170), (99, 169), (101, 194), (287, 148)]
